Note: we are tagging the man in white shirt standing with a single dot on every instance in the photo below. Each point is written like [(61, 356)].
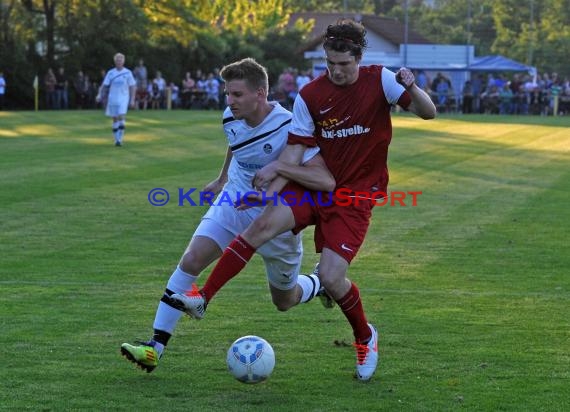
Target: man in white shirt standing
[(118, 94)]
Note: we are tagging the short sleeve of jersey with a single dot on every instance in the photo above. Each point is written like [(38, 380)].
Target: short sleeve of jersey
[(107, 79), (395, 93), (302, 125)]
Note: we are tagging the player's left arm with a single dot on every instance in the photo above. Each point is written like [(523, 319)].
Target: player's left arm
[(132, 88), (132, 94), (421, 104)]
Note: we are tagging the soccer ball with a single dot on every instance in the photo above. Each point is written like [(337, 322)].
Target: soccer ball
[(251, 359)]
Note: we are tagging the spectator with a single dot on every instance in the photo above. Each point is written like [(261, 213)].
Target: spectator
[(141, 98), (500, 81), (436, 81), (49, 82), (188, 89), (535, 100), (200, 93), (506, 99), (212, 88), (516, 85), (467, 94), (161, 84), (201, 81), (174, 95), (287, 87), (81, 87), (154, 95), (61, 90), (490, 81), (443, 91), (141, 75), (477, 86), (221, 89), (521, 98), (2, 89), (490, 100)]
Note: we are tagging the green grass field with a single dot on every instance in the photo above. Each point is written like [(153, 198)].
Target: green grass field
[(470, 289)]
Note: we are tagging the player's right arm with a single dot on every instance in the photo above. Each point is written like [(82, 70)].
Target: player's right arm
[(421, 104), (268, 179), (217, 184), (103, 92), (313, 174)]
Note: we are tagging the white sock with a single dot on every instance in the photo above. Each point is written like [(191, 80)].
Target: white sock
[(121, 131), (310, 284), (166, 316), (116, 131)]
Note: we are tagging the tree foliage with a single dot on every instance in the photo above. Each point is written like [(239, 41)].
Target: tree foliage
[(536, 32), (175, 36)]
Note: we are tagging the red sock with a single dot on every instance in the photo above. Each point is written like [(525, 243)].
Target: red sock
[(351, 306), (233, 260)]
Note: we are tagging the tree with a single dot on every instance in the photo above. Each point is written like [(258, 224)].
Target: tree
[(349, 6), (452, 22), (92, 31), (18, 38), (538, 33), (46, 9), (175, 36)]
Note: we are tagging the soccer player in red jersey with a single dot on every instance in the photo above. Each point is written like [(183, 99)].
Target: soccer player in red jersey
[(346, 112)]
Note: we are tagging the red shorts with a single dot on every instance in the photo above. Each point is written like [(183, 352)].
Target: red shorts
[(339, 228)]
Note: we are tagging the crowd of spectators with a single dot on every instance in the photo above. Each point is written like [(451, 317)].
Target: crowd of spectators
[(196, 90), (522, 94)]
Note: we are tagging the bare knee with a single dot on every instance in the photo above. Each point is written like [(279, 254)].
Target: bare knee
[(199, 254), (336, 284), (192, 263)]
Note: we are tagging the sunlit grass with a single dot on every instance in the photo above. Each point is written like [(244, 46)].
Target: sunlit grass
[(469, 289)]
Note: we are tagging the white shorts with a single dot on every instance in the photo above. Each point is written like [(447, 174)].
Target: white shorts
[(116, 110), (282, 255)]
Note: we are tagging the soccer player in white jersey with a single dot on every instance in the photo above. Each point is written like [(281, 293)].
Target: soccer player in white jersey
[(118, 94), (257, 131)]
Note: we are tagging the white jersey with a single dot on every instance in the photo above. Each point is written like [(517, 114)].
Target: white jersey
[(254, 147), (119, 83)]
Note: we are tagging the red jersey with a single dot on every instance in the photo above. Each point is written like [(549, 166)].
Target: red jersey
[(351, 125)]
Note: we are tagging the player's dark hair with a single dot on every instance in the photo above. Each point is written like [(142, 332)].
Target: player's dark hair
[(254, 74), (346, 35)]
